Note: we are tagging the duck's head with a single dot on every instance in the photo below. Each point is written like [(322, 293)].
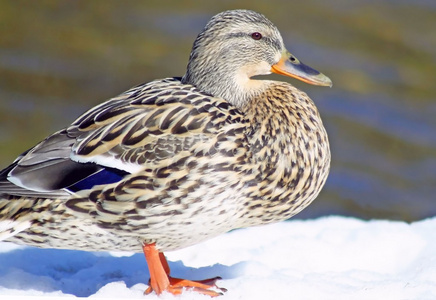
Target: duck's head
[(236, 45)]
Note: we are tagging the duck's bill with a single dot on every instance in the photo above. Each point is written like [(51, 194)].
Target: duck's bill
[(290, 66)]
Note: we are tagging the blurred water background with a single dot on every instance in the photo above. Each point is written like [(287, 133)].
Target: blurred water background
[(59, 58)]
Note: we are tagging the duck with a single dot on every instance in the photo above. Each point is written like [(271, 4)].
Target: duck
[(176, 161)]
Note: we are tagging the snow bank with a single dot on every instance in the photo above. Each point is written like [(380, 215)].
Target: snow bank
[(327, 258)]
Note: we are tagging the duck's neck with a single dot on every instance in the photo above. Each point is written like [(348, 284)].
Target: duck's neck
[(232, 85)]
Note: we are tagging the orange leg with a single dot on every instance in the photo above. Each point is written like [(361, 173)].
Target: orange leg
[(160, 279)]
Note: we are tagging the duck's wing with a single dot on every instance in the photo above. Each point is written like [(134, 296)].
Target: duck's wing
[(45, 170), (147, 127)]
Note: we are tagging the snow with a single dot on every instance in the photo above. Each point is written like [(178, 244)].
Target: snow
[(326, 258)]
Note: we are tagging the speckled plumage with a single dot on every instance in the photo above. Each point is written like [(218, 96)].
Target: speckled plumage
[(185, 159)]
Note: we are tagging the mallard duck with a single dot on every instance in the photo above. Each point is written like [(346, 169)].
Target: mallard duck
[(176, 161)]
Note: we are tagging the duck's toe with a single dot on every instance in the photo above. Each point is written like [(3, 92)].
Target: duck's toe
[(177, 286), (161, 281)]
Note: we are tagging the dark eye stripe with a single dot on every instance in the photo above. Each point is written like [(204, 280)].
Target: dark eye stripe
[(272, 42)]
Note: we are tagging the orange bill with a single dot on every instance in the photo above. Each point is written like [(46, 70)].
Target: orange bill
[(289, 65)]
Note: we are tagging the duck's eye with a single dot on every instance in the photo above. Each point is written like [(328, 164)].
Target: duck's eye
[(256, 36)]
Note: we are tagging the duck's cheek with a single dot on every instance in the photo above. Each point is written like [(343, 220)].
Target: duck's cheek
[(255, 69)]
